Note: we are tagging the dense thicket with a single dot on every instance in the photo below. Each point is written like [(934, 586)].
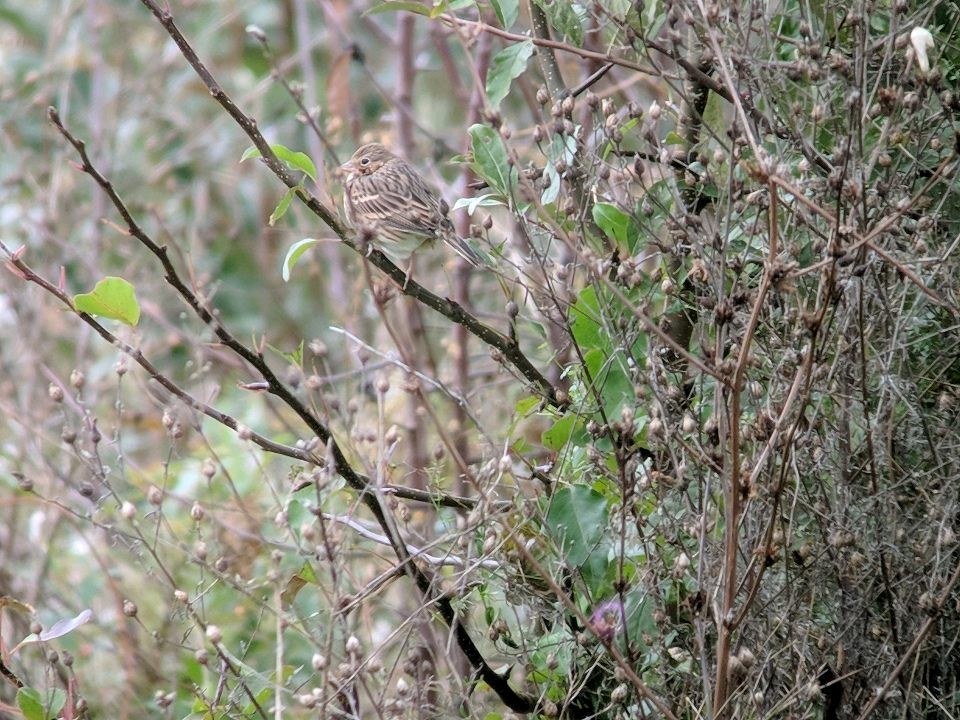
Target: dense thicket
[(688, 448)]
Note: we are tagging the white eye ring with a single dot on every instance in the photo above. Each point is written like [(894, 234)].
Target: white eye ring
[(365, 161)]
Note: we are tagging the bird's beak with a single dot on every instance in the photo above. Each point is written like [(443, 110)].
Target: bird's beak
[(346, 168)]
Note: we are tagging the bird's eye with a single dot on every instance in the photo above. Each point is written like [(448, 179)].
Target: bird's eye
[(365, 161)]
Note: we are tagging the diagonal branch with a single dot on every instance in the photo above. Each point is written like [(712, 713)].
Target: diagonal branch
[(509, 348)]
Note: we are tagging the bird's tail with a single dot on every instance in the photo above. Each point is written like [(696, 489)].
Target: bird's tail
[(467, 251)]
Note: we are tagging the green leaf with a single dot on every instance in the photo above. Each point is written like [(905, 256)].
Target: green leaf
[(526, 405), (561, 147), (490, 159), (585, 320), (561, 432), (472, 203), (56, 699), (294, 357), (35, 706), (640, 620), (714, 113), (674, 138), (250, 152), (451, 6), (396, 6), (507, 12), (612, 220), (294, 253), (296, 583), (577, 520), (308, 573), (617, 225), (30, 704), (610, 379), (508, 64), (281, 209), (112, 298), (294, 159), (297, 160)]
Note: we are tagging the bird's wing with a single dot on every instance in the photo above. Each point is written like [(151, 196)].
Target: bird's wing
[(396, 200)]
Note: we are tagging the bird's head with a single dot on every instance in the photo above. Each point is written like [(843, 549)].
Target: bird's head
[(367, 159)]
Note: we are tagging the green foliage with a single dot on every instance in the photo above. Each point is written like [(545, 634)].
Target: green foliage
[(617, 225), (113, 298), (37, 706), (506, 66), (604, 373), (284, 204), (294, 159), (577, 520), (507, 12), (490, 161), (294, 253), (477, 201), (562, 432)]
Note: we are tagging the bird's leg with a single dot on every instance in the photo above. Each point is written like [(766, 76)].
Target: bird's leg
[(408, 273)]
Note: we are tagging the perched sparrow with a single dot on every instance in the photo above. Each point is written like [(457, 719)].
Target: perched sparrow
[(386, 196)]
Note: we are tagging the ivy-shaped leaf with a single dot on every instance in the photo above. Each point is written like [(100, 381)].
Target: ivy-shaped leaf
[(112, 298)]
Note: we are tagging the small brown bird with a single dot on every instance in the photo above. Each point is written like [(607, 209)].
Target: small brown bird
[(386, 196)]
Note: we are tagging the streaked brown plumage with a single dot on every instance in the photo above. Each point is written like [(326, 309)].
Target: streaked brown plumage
[(386, 196)]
